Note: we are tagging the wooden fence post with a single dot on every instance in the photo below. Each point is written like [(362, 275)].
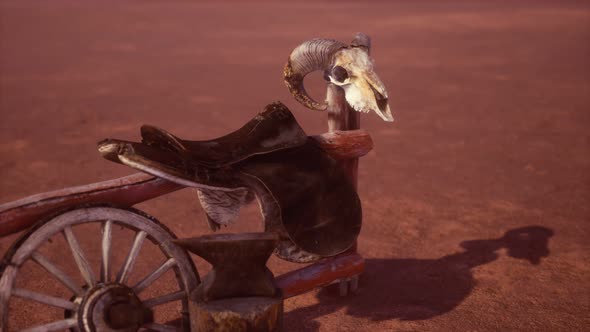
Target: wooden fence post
[(342, 117)]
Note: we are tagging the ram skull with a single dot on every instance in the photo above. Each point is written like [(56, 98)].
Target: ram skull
[(347, 66)]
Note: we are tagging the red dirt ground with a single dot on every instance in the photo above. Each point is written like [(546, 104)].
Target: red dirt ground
[(492, 109)]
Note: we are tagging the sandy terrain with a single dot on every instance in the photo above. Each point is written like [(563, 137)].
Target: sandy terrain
[(492, 134)]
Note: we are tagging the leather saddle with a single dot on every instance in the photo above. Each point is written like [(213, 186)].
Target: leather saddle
[(305, 196)]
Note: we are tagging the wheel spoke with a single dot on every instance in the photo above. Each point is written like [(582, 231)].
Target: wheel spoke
[(133, 252), (164, 299), (149, 279), (53, 326), (160, 327), (79, 257), (57, 273), (7, 280), (42, 298), (105, 267)]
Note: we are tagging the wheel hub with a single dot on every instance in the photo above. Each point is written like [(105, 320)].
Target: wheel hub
[(112, 307)]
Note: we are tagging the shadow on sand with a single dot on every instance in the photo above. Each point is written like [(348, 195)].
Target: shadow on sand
[(415, 289)]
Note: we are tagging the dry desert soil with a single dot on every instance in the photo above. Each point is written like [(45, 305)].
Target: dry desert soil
[(476, 200)]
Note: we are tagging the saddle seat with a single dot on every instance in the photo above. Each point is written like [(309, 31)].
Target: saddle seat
[(271, 130)]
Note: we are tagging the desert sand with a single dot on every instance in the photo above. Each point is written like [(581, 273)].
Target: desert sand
[(491, 101)]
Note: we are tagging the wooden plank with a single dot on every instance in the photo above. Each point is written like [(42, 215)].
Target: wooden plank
[(320, 274), (127, 191)]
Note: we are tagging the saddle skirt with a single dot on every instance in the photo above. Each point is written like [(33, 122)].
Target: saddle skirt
[(304, 195)]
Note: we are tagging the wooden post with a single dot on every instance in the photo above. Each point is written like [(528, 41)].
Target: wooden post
[(342, 117)]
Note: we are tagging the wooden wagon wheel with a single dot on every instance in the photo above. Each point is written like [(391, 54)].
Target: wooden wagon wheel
[(108, 301)]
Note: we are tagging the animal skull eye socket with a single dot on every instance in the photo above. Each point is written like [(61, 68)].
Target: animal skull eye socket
[(339, 74)]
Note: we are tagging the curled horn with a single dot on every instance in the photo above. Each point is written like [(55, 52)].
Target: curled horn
[(312, 55)]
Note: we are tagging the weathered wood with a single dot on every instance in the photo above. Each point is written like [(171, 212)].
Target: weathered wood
[(57, 273), (354, 284), (163, 299), (127, 191), (105, 263), (154, 275), (345, 145), (123, 275), (54, 326), (342, 117), (79, 257), (343, 287), (237, 314), (7, 280), (320, 274), (43, 298)]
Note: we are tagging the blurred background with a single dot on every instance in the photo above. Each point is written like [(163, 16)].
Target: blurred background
[(491, 101)]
